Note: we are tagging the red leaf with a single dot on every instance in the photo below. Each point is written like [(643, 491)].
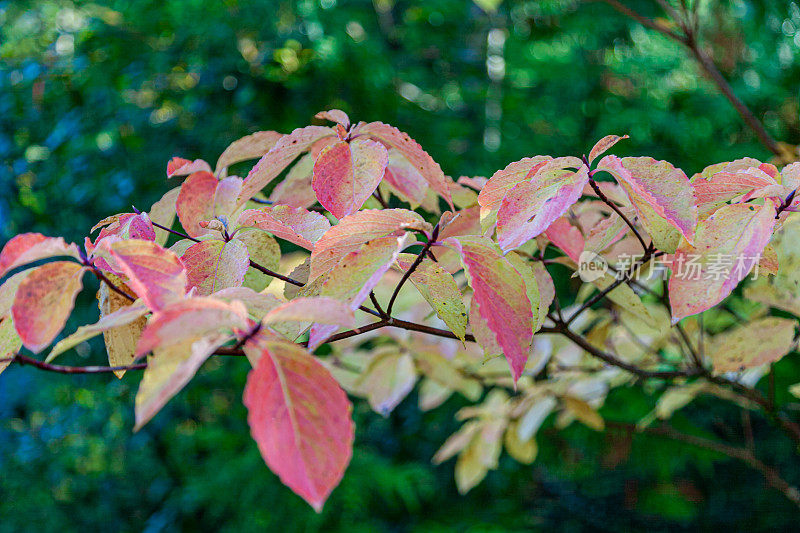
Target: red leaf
[(413, 152), (347, 173), (155, 274), (214, 265), (196, 202), (300, 418), (44, 301), (500, 294), (179, 166), (293, 224), (191, 319), (29, 247), (354, 230), (280, 156), (250, 146)]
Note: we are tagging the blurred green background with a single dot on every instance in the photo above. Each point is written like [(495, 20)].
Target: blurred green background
[(95, 97)]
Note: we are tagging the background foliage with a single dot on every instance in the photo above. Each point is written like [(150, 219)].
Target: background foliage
[(96, 96)]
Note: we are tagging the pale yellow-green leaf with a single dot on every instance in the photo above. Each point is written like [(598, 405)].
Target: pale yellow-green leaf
[(168, 370), (759, 342), (432, 394), (584, 413), (440, 290), (10, 343), (522, 451), (131, 317), (388, 379), (163, 212)]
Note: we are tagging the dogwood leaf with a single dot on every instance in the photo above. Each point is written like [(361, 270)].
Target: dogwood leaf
[(727, 246), (285, 150), (530, 207), (10, 343), (179, 166), (404, 179), (499, 291), (300, 419), (293, 224), (215, 265), (163, 212), (195, 202), (361, 227), (189, 320), (44, 301), (335, 115), (155, 274), (440, 290), (413, 152), (295, 189), (656, 185), (121, 317), (347, 173), (29, 247), (352, 279), (250, 146), (604, 144), (753, 344), (491, 196), (169, 369), (388, 379), (319, 310)]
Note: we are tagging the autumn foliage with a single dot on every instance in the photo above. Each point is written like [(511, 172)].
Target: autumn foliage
[(349, 217)]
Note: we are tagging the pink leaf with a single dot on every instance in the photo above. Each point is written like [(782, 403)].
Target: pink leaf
[(44, 301), (413, 152), (347, 173), (724, 186), (214, 265), (405, 180), (499, 292), (532, 206), (294, 224), (502, 181), (335, 115), (354, 230), (352, 279), (295, 189), (225, 196), (656, 185), (300, 418), (179, 166), (319, 310), (196, 202), (29, 247), (567, 237), (191, 319), (604, 144), (169, 369), (155, 274), (727, 246), (250, 146), (280, 156)]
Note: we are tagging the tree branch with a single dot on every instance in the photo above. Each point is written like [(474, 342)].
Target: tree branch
[(689, 40), (770, 474)]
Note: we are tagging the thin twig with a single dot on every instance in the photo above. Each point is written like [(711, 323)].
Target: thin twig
[(770, 474), (413, 267)]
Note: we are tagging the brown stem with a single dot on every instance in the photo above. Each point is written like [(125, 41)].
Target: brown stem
[(412, 268), (770, 474), (104, 279), (617, 210), (689, 40), (61, 369)]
